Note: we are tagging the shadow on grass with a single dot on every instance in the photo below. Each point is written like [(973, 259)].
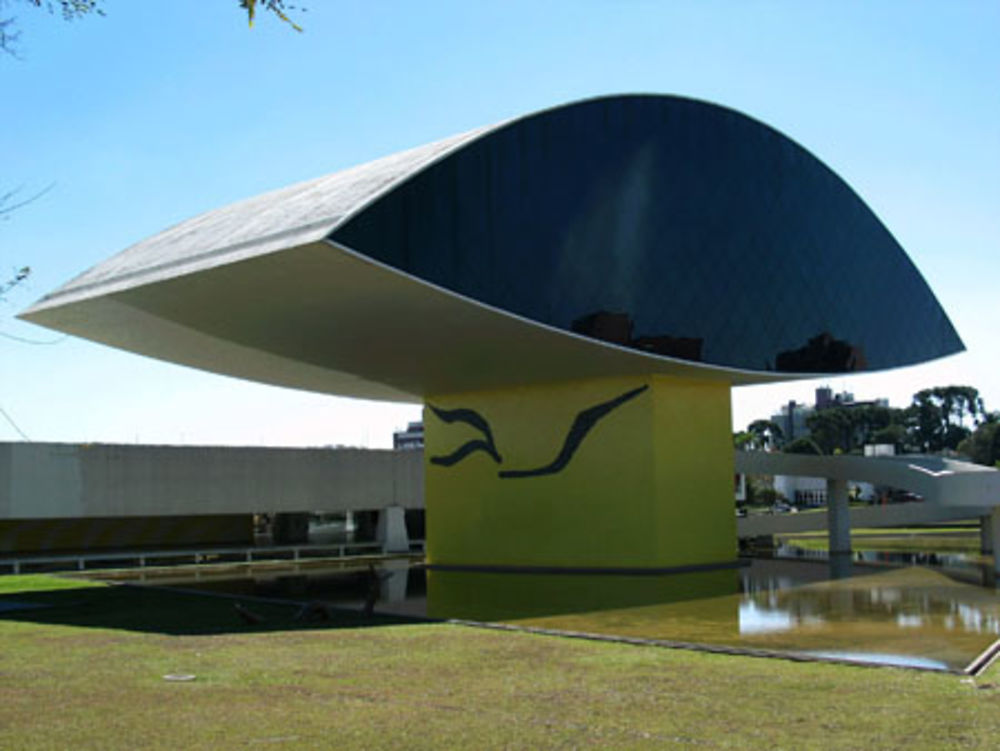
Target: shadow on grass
[(162, 611)]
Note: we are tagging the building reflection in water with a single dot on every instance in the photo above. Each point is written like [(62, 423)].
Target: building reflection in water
[(509, 596)]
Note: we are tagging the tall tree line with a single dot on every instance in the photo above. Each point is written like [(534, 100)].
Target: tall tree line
[(944, 418)]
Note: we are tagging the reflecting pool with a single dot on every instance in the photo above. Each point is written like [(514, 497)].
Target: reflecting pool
[(911, 616)]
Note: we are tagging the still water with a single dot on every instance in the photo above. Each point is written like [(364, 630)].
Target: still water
[(913, 615), (910, 616)]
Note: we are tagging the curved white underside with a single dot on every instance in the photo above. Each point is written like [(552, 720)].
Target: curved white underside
[(323, 318)]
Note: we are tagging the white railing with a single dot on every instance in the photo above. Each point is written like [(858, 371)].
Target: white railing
[(198, 556)]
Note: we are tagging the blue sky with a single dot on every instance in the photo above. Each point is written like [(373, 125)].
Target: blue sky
[(159, 111)]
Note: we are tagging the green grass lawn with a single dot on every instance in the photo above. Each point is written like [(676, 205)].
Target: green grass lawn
[(87, 671), (902, 540)]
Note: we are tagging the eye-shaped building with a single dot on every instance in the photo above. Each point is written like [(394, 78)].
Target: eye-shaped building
[(524, 276)]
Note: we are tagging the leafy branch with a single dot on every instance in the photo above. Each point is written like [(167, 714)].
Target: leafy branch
[(71, 10), (277, 7)]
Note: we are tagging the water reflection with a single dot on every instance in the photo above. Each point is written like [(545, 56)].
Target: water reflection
[(912, 616), (875, 658), (904, 616), (505, 597), (957, 560), (965, 566)]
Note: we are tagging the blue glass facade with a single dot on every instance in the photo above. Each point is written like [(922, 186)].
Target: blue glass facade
[(670, 225)]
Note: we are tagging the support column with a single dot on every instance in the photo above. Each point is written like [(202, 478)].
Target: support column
[(393, 577), (994, 538), (985, 535), (838, 516), (838, 527), (391, 530)]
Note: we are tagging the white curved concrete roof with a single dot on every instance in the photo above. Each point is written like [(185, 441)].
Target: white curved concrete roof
[(295, 215), (255, 290), (260, 290)]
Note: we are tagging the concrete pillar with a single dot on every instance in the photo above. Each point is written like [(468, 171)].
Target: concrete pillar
[(992, 524), (985, 536), (391, 530), (839, 528), (838, 516), (393, 579)]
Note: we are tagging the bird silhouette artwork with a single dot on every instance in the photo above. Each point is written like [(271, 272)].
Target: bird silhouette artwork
[(582, 424)]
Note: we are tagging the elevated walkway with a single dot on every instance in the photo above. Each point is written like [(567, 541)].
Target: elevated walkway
[(87, 481), (950, 489)]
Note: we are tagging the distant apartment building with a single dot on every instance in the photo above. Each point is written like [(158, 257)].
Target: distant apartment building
[(793, 421), (411, 438), (793, 417)]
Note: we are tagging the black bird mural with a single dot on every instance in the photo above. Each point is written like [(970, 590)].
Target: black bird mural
[(582, 425), (476, 420)]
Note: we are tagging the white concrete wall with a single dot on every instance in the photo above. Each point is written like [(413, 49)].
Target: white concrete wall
[(789, 485), (56, 480)]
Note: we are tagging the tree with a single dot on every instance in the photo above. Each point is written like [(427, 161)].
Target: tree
[(68, 9), (847, 429), (802, 446), (277, 7), (764, 434), (760, 491), (937, 417), (71, 10), (870, 419), (832, 429), (894, 433), (983, 445)]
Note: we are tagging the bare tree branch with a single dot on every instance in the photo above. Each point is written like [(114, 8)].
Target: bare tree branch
[(19, 276), (8, 36), (5, 198)]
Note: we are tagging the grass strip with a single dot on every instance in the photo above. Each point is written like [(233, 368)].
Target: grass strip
[(71, 677), (943, 540)]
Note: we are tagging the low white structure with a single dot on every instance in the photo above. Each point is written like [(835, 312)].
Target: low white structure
[(807, 491), (72, 482), (57, 496), (61, 480), (950, 489), (812, 491)]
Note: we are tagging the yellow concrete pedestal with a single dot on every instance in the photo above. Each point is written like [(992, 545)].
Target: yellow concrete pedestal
[(613, 476), (578, 496)]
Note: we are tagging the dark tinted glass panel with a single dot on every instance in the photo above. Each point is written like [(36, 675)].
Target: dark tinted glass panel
[(673, 226)]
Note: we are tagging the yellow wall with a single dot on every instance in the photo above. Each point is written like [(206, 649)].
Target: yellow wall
[(649, 486)]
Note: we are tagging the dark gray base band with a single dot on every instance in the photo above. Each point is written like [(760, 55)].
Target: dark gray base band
[(586, 570)]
